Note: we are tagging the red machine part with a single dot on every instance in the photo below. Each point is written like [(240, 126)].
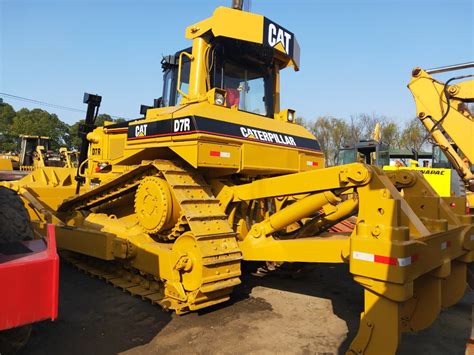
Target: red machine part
[(346, 225), (29, 283)]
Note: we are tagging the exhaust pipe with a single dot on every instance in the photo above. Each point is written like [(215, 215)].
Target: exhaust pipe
[(93, 104), (237, 4)]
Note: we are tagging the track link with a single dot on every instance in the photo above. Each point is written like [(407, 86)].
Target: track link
[(214, 237), (119, 275), (202, 234)]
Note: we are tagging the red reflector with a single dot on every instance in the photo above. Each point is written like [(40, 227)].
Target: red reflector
[(452, 205), (385, 260), (98, 169), (215, 154)]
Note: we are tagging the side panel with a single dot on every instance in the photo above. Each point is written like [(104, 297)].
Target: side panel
[(225, 144)]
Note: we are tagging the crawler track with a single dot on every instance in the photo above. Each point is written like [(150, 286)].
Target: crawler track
[(207, 230)]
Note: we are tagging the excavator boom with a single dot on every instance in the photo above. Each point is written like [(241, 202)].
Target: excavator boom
[(445, 111)]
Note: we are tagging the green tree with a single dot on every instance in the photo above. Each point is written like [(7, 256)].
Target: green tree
[(42, 123), (301, 121), (362, 126), (321, 128), (414, 135), (335, 133), (7, 114), (75, 140), (391, 134), (332, 134)]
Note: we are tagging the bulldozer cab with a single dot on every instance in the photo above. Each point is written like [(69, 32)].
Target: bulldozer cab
[(439, 158), (28, 146), (245, 71), (365, 151), (241, 66)]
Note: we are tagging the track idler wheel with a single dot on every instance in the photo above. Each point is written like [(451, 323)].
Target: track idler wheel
[(206, 269), (155, 206), (190, 261)]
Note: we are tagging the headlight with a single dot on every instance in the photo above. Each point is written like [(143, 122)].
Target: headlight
[(291, 116), (219, 99)]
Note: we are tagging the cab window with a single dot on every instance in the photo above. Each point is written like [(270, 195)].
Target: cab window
[(245, 71), (185, 71)]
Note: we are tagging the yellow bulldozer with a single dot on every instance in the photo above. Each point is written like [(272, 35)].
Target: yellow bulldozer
[(167, 207)]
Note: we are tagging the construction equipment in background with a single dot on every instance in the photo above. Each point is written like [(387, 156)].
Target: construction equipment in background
[(374, 152), (367, 151), (444, 110), (70, 157), (167, 207), (7, 168), (446, 183), (29, 274), (34, 152)]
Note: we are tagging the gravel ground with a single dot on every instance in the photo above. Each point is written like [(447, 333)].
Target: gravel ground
[(315, 314)]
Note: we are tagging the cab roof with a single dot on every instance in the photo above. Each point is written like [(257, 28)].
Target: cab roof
[(250, 27)]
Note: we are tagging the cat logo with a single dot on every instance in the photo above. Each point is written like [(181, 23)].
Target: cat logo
[(140, 130), (278, 37)]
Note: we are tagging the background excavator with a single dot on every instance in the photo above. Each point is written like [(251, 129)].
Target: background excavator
[(446, 111), (168, 206)]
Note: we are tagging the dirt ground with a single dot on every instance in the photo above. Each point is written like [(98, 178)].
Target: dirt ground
[(315, 314)]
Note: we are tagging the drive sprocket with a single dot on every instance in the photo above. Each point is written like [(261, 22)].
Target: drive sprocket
[(154, 205)]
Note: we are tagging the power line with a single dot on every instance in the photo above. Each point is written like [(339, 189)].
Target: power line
[(47, 104), (41, 103)]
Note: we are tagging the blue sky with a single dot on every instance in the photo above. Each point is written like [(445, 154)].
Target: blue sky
[(356, 56)]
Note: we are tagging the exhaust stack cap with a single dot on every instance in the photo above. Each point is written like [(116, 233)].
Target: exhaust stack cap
[(237, 4)]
